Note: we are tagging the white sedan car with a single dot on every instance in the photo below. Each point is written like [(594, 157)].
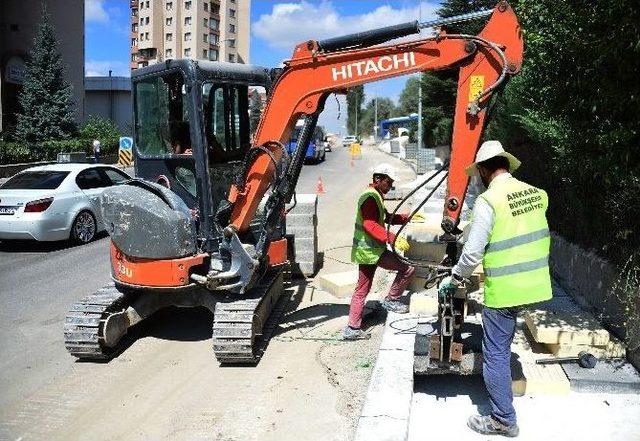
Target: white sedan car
[(56, 202)]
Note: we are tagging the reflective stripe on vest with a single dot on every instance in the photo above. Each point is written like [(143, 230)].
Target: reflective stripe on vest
[(516, 259), (366, 249)]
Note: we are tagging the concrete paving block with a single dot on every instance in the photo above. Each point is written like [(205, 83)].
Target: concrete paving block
[(341, 284), (305, 204), (538, 379), (424, 304), (306, 244), (307, 269), (426, 251), (614, 376), (417, 284), (576, 328), (302, 231), (614, 349), (306, 255), (302, 220), (529, 378)]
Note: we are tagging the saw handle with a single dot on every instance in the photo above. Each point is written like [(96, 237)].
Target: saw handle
[(584, 360)]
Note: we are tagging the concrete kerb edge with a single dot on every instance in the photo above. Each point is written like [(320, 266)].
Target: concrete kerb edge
[(387, 407)]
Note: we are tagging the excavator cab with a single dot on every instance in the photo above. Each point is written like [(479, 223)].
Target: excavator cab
[(192, 128)]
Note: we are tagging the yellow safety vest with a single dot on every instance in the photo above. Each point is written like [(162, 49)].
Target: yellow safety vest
[(366, 249), (516, 260)]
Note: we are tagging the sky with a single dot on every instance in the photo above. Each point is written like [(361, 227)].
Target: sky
[(276, 27)]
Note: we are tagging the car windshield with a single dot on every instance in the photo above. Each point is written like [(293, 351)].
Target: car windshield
[(36, 180)]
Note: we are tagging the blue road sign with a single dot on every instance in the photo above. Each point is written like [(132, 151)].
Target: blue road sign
[(126, 143)]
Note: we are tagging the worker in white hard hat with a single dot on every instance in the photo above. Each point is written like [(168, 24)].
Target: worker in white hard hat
[(369, 251), (510, 236)]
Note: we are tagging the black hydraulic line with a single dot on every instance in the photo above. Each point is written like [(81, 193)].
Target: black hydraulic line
[(414, 211), (297, 158), (455, 19), (378, 36), (369, 38)]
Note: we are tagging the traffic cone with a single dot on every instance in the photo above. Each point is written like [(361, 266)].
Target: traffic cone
[(319, 186)]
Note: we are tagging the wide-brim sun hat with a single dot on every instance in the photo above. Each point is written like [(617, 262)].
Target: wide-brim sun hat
[(491, 149), (386, 169)]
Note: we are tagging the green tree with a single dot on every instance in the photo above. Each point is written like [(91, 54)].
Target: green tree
[(46, 107), (438, 102), (355, 98), (386, 108), (99, 128), (450, 8)]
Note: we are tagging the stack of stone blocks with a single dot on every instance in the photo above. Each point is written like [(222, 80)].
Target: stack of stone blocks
[(302, 234)]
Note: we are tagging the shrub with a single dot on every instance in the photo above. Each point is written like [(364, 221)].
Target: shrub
[(13, 152), (99, 128)]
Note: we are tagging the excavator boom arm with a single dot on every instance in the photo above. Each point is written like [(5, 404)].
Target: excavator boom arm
[(314, 72)]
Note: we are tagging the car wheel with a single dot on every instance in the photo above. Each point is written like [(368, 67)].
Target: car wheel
[(84, 228)]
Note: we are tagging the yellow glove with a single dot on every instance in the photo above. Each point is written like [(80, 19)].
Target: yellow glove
[(418, 217), (402, 244)]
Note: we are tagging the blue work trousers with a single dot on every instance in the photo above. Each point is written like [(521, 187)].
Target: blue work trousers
[(499, 327)]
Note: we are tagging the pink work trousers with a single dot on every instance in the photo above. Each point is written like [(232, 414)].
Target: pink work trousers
[(387, 261)]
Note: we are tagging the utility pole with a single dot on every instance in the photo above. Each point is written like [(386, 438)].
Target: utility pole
[(110, 96), (357, 105), (419, 112), (375, 117)]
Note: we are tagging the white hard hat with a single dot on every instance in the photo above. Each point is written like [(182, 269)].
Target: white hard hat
[(385, 169), (96, 142), (491, 149)]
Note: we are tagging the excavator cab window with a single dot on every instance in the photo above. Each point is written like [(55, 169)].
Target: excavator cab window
[(226, 121), (162, 116)]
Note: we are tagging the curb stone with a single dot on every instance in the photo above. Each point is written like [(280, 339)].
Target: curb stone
[(387, 407)]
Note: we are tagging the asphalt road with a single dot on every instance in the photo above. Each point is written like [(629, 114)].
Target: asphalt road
[(167, 384)]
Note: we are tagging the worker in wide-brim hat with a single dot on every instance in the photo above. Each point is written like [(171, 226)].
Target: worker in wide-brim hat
[(370, 250), (510, 236)]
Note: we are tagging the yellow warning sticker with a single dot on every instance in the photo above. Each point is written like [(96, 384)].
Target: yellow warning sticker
[(476, 86)]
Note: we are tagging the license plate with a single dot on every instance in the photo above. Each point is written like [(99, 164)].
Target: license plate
[(8, 210)]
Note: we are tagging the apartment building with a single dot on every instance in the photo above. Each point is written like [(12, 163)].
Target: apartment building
[(215, 30)]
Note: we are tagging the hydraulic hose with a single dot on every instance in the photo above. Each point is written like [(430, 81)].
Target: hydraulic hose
[(437, 268)]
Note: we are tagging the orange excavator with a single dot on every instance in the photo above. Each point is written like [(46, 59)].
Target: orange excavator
[(203, 224)]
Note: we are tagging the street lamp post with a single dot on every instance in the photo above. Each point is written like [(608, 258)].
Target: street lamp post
[(357, 105), (419, 113), (375, 117)]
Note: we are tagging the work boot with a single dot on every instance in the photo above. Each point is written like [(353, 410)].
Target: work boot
[(349, 333), (395, 306), (488, 426)]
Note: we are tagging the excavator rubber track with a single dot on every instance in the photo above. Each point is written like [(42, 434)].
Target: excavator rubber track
[(241, 328), (84, 324)]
